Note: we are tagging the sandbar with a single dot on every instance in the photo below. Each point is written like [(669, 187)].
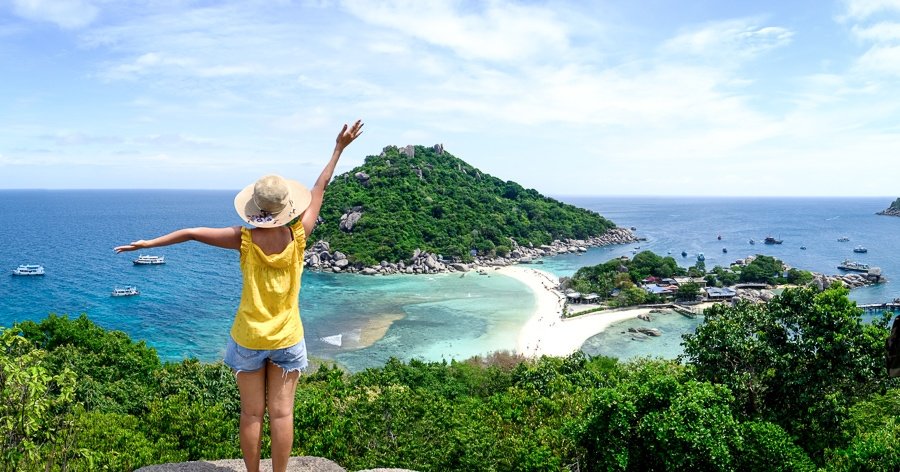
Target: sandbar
[(546, 332)]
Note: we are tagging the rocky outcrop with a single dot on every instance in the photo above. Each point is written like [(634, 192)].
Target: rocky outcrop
[(363, 177), (854, 280), (349, 219), (655, 332), (319, 256), (753, 295), (295, 464), (893, 210), (820, 282)]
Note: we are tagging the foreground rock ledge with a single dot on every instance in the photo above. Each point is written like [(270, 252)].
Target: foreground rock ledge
[(295, 464)]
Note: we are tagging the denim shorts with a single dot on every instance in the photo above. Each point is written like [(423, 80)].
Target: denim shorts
[(242, 359)]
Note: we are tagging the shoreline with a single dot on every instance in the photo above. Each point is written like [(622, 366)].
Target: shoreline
[(547, 333)]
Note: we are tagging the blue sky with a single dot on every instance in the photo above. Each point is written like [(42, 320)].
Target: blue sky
[(570, 98)]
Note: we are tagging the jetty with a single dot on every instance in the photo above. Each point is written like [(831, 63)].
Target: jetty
[(875, 308)]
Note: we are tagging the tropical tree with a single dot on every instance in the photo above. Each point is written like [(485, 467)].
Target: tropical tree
[(799, 361)]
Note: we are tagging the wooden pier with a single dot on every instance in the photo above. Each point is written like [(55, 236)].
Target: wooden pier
[(874, 308)]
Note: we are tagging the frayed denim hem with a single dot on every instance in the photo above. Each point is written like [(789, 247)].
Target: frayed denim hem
[(285, 372)]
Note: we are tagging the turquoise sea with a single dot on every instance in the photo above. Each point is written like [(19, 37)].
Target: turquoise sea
[(186, 306)]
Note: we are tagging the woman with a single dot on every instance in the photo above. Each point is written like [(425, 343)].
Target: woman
[(266, 349)]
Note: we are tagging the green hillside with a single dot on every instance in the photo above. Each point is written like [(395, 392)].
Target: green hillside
[(438, 203)]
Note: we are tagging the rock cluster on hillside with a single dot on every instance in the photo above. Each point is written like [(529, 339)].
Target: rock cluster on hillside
[(320, 257)]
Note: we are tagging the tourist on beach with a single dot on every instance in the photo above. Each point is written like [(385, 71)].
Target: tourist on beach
[(266, 349)]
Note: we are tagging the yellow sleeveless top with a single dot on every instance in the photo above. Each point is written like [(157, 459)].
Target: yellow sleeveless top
[(269, 314)]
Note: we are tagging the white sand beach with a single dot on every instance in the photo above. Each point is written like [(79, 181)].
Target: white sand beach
[(547, 332)]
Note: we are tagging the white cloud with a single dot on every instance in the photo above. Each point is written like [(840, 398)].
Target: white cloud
[(731, 40), (880, 32), (862, 9), (501, 31), (68, 14), (880, 59)]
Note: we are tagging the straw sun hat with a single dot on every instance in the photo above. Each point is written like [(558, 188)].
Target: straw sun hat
[(272, 201)]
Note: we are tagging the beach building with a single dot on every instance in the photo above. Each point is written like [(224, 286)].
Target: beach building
[(683, 280), (716, 293), (664, 290)]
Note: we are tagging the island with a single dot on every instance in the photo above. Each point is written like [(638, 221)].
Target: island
[(893, 210), (421, 210)]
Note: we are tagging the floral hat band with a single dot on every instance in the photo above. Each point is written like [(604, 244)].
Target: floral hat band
[(271, 201)]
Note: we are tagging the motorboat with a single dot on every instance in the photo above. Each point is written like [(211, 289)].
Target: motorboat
[(860, 249), (683, 253), (29, 269), (843, 239), (803, 248), (752, 241), (725, 250), (701, 257), (853, 266), (771, 240), (149, 260), (125, 291)]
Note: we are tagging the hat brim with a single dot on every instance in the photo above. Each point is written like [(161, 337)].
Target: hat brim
[(299, 198)]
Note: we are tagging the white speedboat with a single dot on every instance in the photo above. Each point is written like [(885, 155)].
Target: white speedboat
[(149, 260), (125, 292), (29, 269)]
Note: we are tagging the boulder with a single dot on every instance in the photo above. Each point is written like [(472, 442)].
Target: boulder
[(368, 271), (650, 331), (349, 219), (430, 262)]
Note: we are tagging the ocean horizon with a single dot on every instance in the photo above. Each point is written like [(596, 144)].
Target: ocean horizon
[(187, 305)]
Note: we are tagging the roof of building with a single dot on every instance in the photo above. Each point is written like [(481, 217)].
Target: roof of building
[(658, 289), (720, 292)]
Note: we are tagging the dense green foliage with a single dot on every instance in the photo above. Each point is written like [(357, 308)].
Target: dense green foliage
[(627, 274), (764, 269), (438, 203), (624, 274), (895, 205), (797, 384), (800, 361)]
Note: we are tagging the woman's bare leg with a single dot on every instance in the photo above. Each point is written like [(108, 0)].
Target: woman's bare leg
[(252, 386), (282, 389)]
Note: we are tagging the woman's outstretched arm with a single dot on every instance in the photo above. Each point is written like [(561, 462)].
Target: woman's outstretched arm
[(228, 238), (344, 138)]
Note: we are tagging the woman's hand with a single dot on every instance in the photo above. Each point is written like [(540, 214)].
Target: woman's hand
[(134, 246), (347, 135)]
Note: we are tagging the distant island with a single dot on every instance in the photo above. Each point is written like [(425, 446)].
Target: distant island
[(419, 209), (893, 210)]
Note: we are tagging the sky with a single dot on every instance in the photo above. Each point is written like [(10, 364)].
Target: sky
[(650, 97)]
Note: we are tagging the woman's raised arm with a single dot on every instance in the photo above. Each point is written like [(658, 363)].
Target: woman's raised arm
[(344, 138)]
